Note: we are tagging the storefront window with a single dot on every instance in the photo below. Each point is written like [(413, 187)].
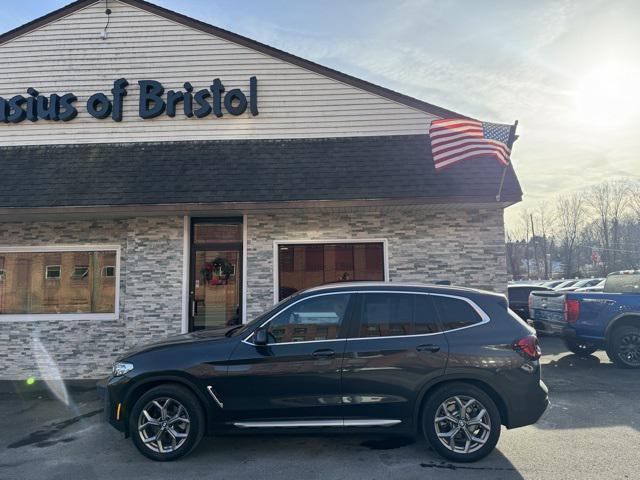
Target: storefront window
[(308, 265), (57, 282)]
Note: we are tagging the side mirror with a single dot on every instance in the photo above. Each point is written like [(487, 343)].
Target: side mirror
[(260, 337)]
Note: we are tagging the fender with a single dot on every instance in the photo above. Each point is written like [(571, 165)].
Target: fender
[(617, 318), (448, 377), (162, 378)]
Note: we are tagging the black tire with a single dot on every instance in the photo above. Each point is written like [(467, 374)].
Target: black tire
[(581, 349), (464, 391), (195, 427), (618, 348)]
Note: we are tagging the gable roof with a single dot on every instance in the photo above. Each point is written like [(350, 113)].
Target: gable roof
[(239, 174), (244, 41)]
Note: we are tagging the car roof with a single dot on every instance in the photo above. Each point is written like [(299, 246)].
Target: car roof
[(444, 289)]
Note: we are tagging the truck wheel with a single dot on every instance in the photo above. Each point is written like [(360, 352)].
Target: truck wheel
[(624, 347), (581, 349), (166, 422)]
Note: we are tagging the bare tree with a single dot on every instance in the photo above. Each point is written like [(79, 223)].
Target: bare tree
[(544, 220), (608, 201), (571, 216)]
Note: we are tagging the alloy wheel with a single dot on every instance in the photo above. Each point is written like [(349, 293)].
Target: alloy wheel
[(163, 425), (629, 349), (462, 424)]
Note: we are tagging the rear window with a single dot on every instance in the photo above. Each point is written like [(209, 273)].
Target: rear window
[(455, 313), (521, 294), (622, 283)]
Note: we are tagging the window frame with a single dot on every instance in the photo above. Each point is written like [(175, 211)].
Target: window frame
[(31, 317), (278, 243), (351, 321)]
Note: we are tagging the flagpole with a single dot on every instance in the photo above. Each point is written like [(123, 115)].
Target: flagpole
[(512, 138)]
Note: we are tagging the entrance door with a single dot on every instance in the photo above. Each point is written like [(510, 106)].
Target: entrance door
[(216, 273)]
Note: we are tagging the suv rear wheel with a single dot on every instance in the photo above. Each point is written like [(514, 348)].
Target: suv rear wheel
[(581, 349), (461, 422), (166, 422), (624, 346)]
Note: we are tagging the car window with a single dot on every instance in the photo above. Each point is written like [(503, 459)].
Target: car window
[(317, 318), (455, 313), (425, 317), (623, 283), (393, 314)]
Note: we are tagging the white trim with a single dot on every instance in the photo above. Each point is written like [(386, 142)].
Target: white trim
[(318, 423), (245, 240), (186, 266), (277, 243), (31, 317)]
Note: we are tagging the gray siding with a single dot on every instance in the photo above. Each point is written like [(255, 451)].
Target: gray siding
[(425, 244), (68, 55), (150, 298)]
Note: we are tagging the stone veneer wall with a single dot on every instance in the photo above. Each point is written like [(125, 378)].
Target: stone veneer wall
[(150, 298), (425, 243)]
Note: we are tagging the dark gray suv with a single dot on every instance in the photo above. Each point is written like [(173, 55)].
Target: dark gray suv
[(452, 364)]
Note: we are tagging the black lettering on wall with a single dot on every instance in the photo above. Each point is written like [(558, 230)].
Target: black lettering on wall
[(119, 91), (32, 113), (17, 113), (217, 89), (188, 100), (205, 108), (172, 100), (99, 106), (4, 110), (48, 108), (69, 112), (235, 102), (253, 96), (151, 103)]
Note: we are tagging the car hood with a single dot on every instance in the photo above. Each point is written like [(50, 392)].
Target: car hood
[(199, 336)]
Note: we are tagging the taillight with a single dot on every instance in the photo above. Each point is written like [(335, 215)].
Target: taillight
[(571, 310), (528, 347)]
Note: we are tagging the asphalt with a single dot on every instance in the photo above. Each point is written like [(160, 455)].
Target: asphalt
[(591, 430)]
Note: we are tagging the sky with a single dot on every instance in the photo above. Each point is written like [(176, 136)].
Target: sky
[(568, 71)]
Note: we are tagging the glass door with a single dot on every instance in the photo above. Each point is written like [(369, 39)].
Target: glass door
[(216, 273)]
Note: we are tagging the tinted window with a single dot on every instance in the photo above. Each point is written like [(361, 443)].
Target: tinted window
[(425, 317), (455, 313), (521, 294), (392, 314), (317, 318)]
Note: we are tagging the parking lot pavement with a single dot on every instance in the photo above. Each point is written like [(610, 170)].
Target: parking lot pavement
[(591, 430)]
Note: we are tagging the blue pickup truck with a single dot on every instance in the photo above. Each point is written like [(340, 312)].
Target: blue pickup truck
[(607, 320)]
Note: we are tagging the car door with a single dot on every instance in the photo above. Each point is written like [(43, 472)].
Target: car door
[(296, 376), (394, 347)]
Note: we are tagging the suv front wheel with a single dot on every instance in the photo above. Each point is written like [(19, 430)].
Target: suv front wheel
[(461, 422), (166, 422)]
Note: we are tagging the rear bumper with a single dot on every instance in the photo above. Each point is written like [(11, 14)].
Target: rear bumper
[(527, 406)]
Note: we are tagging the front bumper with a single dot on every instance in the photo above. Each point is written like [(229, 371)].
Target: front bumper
[(109, 390)]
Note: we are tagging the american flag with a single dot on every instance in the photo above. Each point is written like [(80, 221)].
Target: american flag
[(457, 139)]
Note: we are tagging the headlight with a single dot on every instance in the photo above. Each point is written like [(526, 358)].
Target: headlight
[(120, 368)]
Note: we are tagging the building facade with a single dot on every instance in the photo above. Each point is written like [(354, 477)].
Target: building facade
[(161, 175)]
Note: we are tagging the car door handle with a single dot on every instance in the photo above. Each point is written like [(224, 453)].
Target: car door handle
[(430, 347), (325, 352)]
